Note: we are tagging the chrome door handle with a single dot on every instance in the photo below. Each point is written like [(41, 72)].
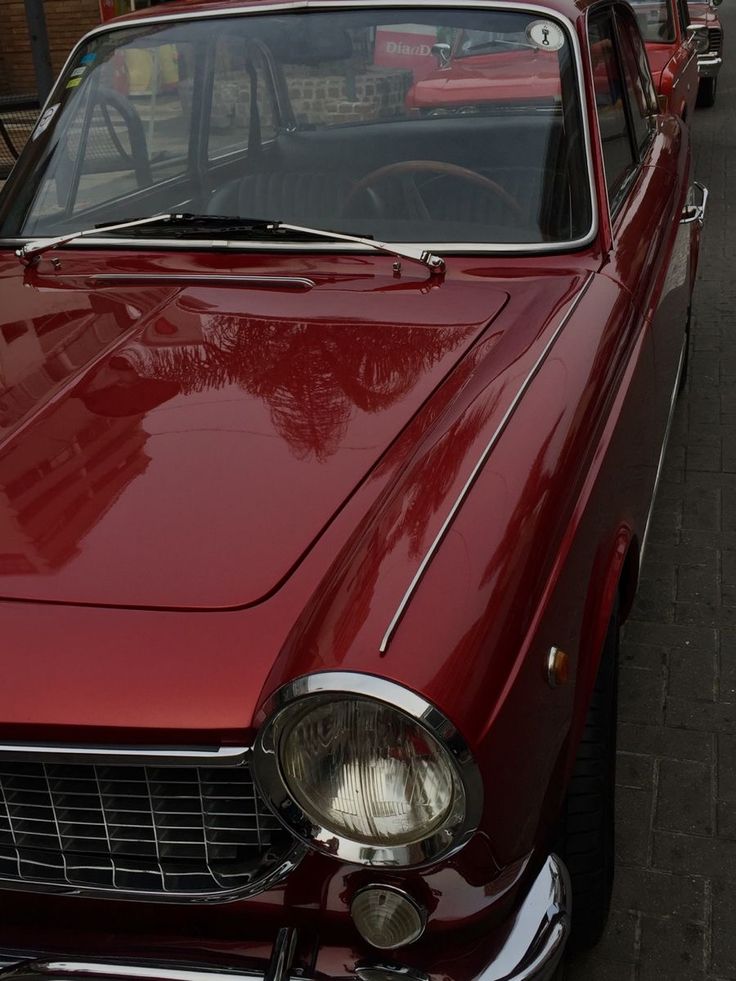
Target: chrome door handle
[(695, 212)]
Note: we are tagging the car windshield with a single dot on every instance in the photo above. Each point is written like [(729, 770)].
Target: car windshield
[(655, 20), (362, 121)]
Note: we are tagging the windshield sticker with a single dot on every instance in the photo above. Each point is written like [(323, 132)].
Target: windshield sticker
[(79, 71), (89, 59), (545, 35), (43, 123), (73, 83)]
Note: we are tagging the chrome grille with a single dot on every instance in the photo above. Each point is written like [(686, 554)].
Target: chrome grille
[(163, 830), (715, 39)]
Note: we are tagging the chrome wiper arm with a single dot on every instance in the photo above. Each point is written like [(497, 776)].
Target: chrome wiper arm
[(32, 251), (434, 263)]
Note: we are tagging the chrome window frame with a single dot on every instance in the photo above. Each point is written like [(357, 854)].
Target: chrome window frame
[(270, 782), (295, 6), (616, 203)]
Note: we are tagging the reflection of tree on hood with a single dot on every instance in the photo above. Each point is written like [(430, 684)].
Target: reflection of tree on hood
[(310, 375)]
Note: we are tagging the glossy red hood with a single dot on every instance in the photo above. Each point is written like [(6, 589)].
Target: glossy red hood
[(182, 446)]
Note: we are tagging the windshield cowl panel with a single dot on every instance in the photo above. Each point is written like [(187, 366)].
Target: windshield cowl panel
[(417, 126)]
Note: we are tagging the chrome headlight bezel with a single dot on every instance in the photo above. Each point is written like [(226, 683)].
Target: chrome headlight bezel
[(273, 787), (701, 41)]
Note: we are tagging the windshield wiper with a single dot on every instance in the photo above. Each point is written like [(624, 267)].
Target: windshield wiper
[(32, 251), (434, 263)]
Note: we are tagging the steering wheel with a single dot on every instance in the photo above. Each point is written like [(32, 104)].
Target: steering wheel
[(409, 168)]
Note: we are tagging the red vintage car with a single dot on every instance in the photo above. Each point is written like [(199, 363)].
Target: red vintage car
[(707, 31), (671, 49), (329, 434)]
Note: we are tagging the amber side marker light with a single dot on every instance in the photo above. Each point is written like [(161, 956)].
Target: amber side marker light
[(558, 667)]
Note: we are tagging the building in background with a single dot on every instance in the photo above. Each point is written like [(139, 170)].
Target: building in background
[(66, 21)]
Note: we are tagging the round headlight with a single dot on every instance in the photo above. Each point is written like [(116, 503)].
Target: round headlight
[(368, 773), (700, 37), (368, 780)]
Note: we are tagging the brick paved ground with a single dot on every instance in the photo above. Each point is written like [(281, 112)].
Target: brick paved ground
[(674, 906)]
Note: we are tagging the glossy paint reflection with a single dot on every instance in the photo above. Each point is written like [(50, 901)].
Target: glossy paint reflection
[(197, 404)]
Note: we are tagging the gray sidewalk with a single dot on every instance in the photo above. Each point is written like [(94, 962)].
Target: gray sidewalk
[(674, 906)]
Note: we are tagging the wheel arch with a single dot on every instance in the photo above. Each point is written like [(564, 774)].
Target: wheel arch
[(612, 587)]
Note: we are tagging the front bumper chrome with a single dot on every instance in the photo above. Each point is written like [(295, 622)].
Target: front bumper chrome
[(531, 951), (709, 65)]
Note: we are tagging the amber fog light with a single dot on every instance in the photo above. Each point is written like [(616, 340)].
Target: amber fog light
[(386, 917)]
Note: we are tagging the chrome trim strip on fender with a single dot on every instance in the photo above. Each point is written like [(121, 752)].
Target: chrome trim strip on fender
[(477, 248), (401, 609), (663, 451)]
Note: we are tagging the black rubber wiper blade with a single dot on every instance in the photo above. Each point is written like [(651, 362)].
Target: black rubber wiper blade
[(220, 223), (32, 251)]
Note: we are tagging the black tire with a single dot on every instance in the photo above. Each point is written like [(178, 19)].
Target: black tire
[(707, 92), (587, 839), (686, 356)]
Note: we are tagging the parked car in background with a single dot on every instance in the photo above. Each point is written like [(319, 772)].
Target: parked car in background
[(671, 52), (479, 68), (329, 436), (708, 36)]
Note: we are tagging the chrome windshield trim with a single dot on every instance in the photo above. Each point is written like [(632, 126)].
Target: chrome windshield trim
[(250, 245), (482, 460), (142, 755), (324, 686), (326, 5)]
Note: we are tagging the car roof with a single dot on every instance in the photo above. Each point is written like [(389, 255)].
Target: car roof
[(571, 9)]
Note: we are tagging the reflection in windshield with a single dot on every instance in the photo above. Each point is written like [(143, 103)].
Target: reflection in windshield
[(349, 121), (655, 19)]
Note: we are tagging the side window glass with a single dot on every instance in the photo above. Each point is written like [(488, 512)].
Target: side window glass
[(618, 154), (243, 100), (642, 99)]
